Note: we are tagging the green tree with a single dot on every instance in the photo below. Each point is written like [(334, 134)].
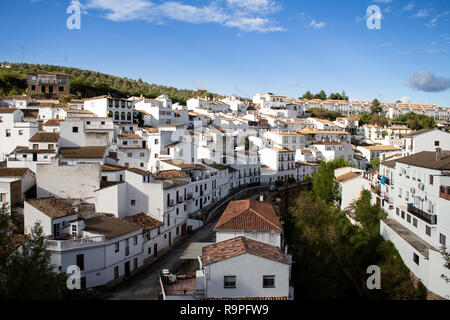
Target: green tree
[(27, 274), (344, 95), (375, 162), (379, 120), (416, 121), (364, 118), (307, 96), (375, 107), (321, 95), (324, 185)]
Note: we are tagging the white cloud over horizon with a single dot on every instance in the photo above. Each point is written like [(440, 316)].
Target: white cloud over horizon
[(246, 15)]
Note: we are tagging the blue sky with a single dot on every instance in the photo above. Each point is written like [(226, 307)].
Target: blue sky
[(285, 47)]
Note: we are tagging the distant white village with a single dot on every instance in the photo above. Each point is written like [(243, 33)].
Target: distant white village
[(116, 182)]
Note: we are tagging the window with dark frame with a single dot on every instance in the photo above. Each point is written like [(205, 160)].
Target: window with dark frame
[(442, 239), (268, 282), (416, 258), (229, 282)]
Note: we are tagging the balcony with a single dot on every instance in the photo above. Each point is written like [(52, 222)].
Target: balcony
[(180, 199), (444, 192), (73, 243), (375, 189), (424, 216), (171, 203), (189, 196)]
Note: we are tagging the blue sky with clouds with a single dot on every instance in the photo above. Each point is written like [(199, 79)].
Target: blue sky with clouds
[(280, 46)]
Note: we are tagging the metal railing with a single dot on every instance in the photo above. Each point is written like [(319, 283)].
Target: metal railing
[(427, 217)]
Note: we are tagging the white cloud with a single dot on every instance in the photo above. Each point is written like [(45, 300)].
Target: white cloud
[(317, 25), (423, 13), (433, 22), (405, 99), (409, 6), (246, 15)]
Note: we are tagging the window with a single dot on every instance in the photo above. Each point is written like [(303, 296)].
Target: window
[(142, 154), (51, 146), (397, 211), (135, 240), (33, 87), (415, 222), (403, 215), (135, 263), (156, 141), (116, 272), (117, 247), (3, 197), (428, 231), (149, 251), (442, 239), (74, 129), (74, 229), (20, 132), (229, 282), (268, 282), (130, 155), (416, 258), (50, 89), (80, 261), (35, 146), (431, 179), (61, 89), (436, 143), (178, 230), (133, 202), (408, 218), (8, 132)]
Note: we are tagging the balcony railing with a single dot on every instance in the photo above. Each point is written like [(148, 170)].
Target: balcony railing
[(427, 217), (444, 192), (68, 244), (180, 199)]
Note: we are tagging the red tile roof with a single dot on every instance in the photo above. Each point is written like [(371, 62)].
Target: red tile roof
[(249, 215), (238, 246)]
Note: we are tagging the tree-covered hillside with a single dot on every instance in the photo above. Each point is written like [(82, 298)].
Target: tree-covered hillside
[(86, 83)]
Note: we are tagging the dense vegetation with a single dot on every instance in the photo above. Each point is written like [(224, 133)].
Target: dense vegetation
[(322, 113), (86, 83), (332, 256), (28, 275), (416, 121), (323, 96)]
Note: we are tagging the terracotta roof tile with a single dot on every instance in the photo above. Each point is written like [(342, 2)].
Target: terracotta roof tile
[(145, 221), (110, 227), (238, 246), (249, 215), (52, 207), (170, 174), (347, 176), (45, 137)]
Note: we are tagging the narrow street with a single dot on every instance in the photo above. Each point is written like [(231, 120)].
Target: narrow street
[(145, 285)]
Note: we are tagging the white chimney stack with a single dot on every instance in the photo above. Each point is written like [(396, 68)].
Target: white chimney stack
[(261, 197)]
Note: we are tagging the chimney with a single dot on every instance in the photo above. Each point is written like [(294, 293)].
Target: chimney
[(261, 197), (438, 154)]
